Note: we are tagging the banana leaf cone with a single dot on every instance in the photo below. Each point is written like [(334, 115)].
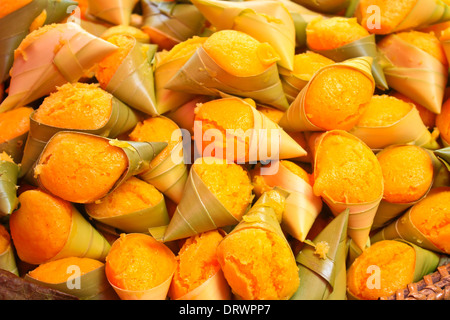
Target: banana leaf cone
[(168, 100), (137, 221), (424, 13), (364, 47), (444, 156), (202, 75), (171, 22), (198, 211), (15, 147), (388, 211), (184, 116), (361, 215), (89, 286), (60, 55), (121, 120), (117, 12), (139, 155), (408, 130), (15, 26), (170, 175), (9, 173), (84, 240), (8, 260), (266, 21), (215, 288), (325, 6), (295, 118), (426, 262), (404, 228), (414, 73), (301, 205), (133, 82), (323, 275)]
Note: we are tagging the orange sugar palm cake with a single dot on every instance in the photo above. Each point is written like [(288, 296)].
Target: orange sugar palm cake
[(57, 271), (196, 263), (428, 117), (396, 262), (80, 168), (9, 6), (332, 33), (308, 63), (90, 105), (432, 217), (41, 226), (138, 262), (240, 54), (5, 239), (346, 170), (443, 122), (14, 123), (337, 97), (407, 173), (384, 110), (229, 182), (132, 195)]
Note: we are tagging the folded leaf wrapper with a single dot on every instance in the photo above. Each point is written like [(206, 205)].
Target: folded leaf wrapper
[(121, 120), (90, 286), (295, 118), (364, 47), (15, 26), (388, 211), (324, 278), (133, 82), (60, 55), (9, 173), (414, 73), (15, 147), (202, 75), (325, 6), (266, 21), (171, 21), (301, 205), (444, 156), (117, 12), (408, 130), (8, 260), (215, 288), (198, 211), (139, 155)]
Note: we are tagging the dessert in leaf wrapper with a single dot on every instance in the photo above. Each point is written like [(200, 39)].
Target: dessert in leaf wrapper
[(387, 266), (401, 15), (128, 75), (347, 174), (171, 22), (140, 268), (301, 205), (388, 120), (198, 275), (134, 206), (168, 170), (350, 86), (7, 253), (83, 168), (443, 124), (97, 112), (232, 63), (418, 67), (409, 172), (217, 194), (321, 263), (266, 21), (255, 256), (50, 57), (424, 224), (18, 18), (326, 6), (89, 284), (340, 39), (14, 129), (47, 228), (9, 174), (233, 129)]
